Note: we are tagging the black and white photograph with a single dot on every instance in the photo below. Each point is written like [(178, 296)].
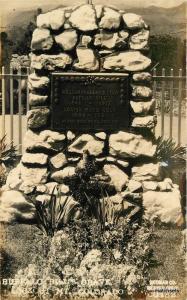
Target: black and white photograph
[(93, 136)]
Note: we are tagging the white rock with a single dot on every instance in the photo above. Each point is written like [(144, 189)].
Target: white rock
[(111, 19), (41, 188), (50, 62), (46, 139), (147, 122), (118, 178), (169, 180), (34, 158), (43, 198), (101, 135), (85, 40), (35, 99), (110, 159), (64, 189), (84, 18), (86, 60), (37, 117), (54, 19), (123, 163), (14, 208), (73, 159), (164, 186), (101, 159), (33, 176), (150, 185), (140, 107), (87, 142), (139, 40), (141, 91), (142, 76), (58, 161), (127, 61), (67, 39), (41, 39), (50, 186), (14, 178), (37, 82), (109, 40), (99, 10), (133, 21), (134, 185), (59, 176), (149, 171), (124, 144), (164, 206), (70, 135), (26, 188)]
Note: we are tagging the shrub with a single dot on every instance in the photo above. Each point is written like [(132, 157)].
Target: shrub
[(115, 261), (167, 151)]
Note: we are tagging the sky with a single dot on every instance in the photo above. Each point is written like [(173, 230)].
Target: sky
[(7, 6)]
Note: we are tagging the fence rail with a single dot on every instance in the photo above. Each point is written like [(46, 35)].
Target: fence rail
[(169, 90)]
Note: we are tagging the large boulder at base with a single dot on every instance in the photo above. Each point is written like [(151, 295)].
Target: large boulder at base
[(59, 176), (52, 20), (118, 178), (86, 60), (127, 61), (41, 39), (14, 208), (38, 117), (133, 21), (111, 19), (50, 62), (87, 142), (149, 171), (163, 206), (44, 140), (124, 144), (84, 18), (67, 39), (36, 82)]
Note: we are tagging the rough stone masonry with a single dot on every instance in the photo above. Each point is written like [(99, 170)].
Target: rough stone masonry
[(92, 38)]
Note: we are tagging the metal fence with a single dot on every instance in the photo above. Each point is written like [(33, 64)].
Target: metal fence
[(168, 90), (14, 103)]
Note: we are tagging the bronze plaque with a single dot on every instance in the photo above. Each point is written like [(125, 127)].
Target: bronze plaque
[(89, 102)]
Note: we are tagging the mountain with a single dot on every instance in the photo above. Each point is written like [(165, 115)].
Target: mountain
[(161, 20)]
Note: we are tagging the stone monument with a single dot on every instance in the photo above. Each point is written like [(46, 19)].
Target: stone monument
[(90, 92)]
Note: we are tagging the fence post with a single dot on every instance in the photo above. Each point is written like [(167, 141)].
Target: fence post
[(171, 104), (11, 105), (20, 112), (27, 105), (179, 104), (163, 102), (3, 100)]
